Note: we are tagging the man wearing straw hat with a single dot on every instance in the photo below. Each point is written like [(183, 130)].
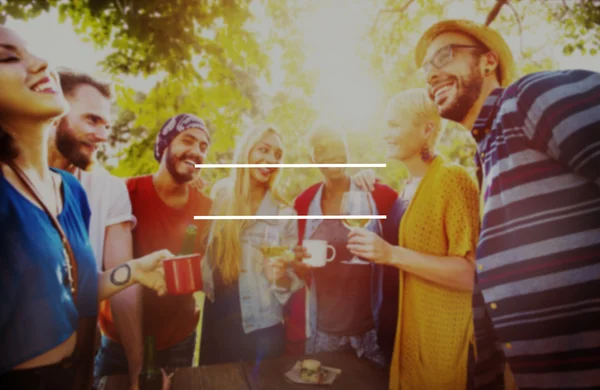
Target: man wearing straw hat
[(537, 303)]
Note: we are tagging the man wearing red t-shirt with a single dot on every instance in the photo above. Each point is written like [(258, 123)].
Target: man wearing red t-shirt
[(164, 207)]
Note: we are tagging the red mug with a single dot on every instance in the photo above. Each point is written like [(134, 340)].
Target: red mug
[(183, 274)]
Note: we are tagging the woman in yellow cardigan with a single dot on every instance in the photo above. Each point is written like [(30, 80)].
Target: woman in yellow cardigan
[(437, 241)]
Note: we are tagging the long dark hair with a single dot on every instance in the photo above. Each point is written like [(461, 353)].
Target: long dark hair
[(8, 149)]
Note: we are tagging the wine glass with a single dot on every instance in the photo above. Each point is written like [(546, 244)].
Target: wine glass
[(356, 203), (271, 247)]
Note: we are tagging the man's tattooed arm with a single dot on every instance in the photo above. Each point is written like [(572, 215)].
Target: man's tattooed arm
[(121, 275), (141, 270)]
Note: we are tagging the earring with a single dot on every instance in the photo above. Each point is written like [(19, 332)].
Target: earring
[(425, 154)]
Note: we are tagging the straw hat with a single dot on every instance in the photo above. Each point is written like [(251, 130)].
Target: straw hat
[(486, 35)]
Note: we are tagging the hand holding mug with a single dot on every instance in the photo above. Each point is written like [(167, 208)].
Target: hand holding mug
[(274, 269), (299, 267), (183, 274), (148, 270), (301, 253)]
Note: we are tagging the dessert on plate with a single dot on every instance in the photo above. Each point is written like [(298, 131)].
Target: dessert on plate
[(311, 371)]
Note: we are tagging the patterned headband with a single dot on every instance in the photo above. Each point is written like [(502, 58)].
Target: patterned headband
[(173, 127)]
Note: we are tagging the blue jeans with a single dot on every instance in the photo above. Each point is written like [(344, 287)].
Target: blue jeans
[(111, 358)]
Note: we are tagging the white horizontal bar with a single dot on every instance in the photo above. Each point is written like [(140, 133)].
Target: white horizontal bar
[(291, 165), (250, 217)]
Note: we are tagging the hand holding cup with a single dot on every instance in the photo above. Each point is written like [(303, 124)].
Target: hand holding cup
[(274, 268), (148, 270)]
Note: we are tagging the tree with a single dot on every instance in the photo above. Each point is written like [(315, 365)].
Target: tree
[(401, 23), (204, 48), (218, 100), (580, 24), (217, 65), (148, 36), (123, 131)]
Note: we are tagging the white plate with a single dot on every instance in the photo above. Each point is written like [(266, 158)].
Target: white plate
[(330, 374)]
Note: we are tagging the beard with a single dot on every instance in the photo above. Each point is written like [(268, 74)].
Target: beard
[(70, 146), (468, 89), (171, 161)]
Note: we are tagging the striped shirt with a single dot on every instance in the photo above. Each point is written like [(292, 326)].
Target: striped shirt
[(537, 300)]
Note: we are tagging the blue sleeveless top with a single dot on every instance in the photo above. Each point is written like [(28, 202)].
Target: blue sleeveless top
[(37, 311)]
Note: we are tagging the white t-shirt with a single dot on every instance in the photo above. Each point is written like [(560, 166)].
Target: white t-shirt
[(109, 202)]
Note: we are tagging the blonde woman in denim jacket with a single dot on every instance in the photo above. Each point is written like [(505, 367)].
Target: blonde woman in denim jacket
[(243, 318)]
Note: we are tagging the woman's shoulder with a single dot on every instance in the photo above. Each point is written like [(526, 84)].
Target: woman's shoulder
[(455, 182), (451, 174), (282, 204), (303, 199), (220, 188)]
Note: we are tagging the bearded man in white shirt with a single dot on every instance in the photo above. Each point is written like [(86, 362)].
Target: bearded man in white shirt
[(73, 143)]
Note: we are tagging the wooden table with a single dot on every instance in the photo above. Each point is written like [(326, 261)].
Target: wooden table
[(356, 374), (221, 376)]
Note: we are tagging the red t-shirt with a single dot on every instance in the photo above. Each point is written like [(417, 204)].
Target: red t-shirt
[(169, 318)]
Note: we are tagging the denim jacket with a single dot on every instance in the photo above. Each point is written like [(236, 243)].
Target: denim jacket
[(262, 306), (376, 269)]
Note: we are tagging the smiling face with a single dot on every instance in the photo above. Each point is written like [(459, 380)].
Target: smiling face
[(186, 150), (268, 150), (412, 123), (457, 85), (404, 136), (29, 88), (79, 134)]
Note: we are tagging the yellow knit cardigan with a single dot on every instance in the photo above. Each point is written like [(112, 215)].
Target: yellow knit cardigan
[(435, 323)]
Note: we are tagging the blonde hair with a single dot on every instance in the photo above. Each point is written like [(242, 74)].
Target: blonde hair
[(231, 197), (321, 134), (416, 104)]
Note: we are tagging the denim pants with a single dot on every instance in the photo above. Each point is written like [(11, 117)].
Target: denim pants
[(111, 358)]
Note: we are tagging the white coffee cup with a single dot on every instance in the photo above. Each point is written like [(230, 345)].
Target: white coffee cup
[(318, 252)]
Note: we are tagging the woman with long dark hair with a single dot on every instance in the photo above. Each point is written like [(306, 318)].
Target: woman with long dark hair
[(49, 286)]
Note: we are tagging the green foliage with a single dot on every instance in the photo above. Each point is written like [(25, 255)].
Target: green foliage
[(147, 36), (25, 9), (293, 117), (221, 105), (394, 37), (216, 67), (580, 25), (210, 57), (396, 34), (457, 145)]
